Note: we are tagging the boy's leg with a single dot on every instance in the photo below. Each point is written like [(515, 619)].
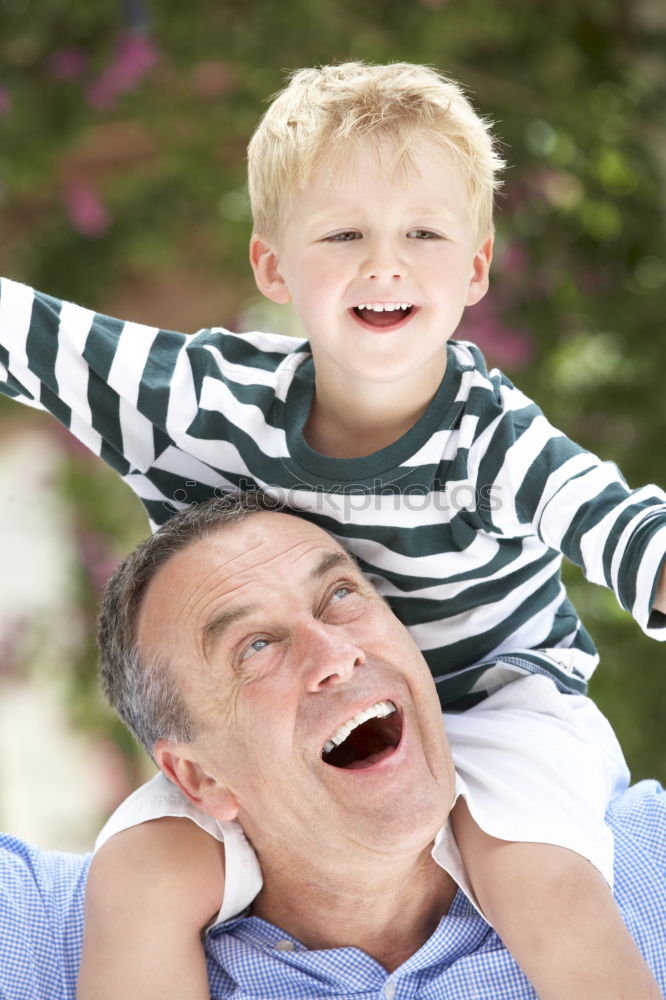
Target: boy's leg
[(556, 914), (151, 891), (539, 769), (160, 875)]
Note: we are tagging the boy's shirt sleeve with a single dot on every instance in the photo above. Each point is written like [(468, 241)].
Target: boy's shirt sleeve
[(577, 504), (107, 381)]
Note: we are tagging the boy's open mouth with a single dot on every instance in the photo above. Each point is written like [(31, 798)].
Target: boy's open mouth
[(381, 316), (366, 738)]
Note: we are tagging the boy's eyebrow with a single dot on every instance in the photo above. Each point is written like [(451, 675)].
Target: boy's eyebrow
[(336, 215), (221, 622), (333, 214), (429, 210)]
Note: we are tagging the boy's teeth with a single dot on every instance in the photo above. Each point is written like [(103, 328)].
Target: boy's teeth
[(378, 711), (389, 307)]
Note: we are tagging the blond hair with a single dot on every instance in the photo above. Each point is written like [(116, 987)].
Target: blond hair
[(320, 109)]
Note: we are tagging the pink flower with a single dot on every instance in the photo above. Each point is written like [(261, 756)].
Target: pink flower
[(12, 648), (501, 345), (513, 259), (559, 187), (213, 78), (71, 445), (135, 56), (86, 211), (5, 101), (95, 557), (67, 64), (115, 779)]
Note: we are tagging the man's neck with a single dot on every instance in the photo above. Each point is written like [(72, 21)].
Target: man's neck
[(389, 911), (352, 418)]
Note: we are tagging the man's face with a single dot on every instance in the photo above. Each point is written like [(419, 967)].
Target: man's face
[(278, 642), (365, 238)]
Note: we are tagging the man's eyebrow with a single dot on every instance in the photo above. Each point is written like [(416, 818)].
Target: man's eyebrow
[(220, 623), (214, 629), (332, 560)]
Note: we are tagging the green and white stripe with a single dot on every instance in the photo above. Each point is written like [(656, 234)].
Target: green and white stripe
[(462, 523)]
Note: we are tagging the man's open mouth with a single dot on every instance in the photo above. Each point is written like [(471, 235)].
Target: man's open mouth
[(366, 738), (379, 316)]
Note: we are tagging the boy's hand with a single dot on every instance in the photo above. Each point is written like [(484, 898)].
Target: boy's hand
[(150, 892), (660, 596)]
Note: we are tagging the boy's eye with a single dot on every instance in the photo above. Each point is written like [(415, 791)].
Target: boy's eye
[(345, 237), (423, 234)]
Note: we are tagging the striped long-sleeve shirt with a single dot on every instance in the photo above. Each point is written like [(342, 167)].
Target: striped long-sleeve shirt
[(461, 523)]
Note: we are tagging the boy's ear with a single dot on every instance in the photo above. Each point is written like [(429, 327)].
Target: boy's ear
[(480, 279), (177, 763), (267, 275)]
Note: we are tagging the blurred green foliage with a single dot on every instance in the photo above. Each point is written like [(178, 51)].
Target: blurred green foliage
[(122, 136)]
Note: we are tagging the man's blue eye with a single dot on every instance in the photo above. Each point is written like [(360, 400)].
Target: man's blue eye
[(256, 646), (342, 592)]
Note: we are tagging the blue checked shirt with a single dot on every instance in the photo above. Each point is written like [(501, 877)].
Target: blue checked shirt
[(41, 923)]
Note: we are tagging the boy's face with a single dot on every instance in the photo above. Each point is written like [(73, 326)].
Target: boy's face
[(362, 236)]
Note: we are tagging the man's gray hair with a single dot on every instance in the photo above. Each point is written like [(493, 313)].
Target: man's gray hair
[(143, 689)]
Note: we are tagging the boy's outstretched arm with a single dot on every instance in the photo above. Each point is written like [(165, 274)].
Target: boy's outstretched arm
[(107, 381), (556, 915), (151, 891)]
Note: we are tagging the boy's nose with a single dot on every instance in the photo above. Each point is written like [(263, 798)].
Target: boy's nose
[(383, 261)]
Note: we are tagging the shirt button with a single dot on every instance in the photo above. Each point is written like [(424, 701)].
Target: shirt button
[(389, 991), (285, 945)]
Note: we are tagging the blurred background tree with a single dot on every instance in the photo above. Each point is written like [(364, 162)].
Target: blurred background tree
[(123, 130)]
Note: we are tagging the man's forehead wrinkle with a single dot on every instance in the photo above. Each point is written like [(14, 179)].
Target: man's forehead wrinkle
[(220, 579), (215, 628), (211, 573), (232, 577)]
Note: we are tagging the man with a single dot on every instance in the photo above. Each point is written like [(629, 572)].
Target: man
[(258, 639)]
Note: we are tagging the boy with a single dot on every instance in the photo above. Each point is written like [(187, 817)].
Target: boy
[(372, 193)]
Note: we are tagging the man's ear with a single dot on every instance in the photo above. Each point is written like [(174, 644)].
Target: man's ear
[(480, 279), (267, 275), (178, 763)]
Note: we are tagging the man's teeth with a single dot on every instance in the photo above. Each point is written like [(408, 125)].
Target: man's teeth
[(378, 711), (388, 307)]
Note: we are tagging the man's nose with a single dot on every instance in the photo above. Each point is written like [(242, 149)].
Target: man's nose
[(383, 260), (328, 654)]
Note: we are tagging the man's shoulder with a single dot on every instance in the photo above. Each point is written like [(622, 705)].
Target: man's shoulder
[(41, 911), (26, 869), (639, 814)]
